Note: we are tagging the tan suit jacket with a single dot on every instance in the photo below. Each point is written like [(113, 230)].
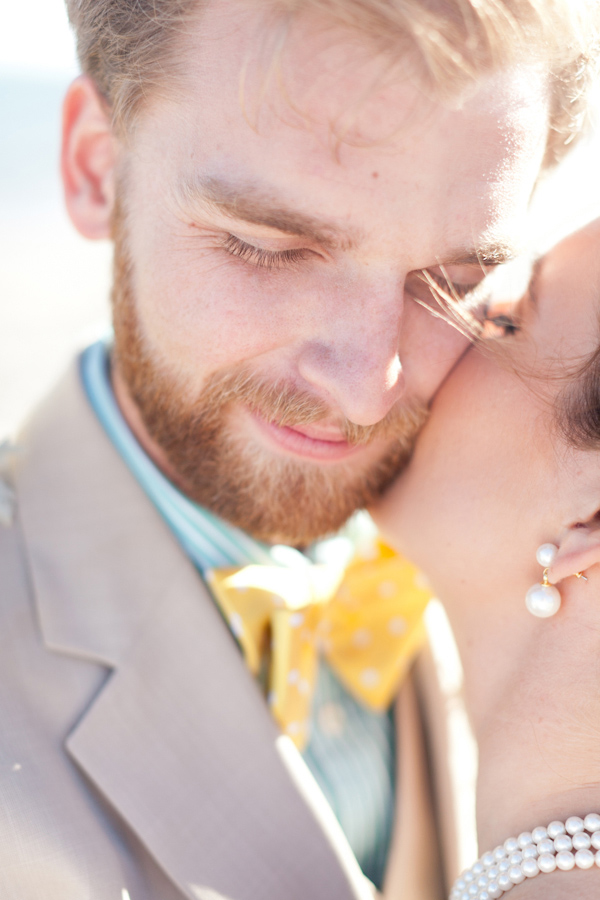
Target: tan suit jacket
[(138, 760)]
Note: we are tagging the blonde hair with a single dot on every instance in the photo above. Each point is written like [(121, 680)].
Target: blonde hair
[(129, 47)]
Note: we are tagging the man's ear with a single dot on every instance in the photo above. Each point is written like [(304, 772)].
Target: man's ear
[(88, 159), (578, 551)]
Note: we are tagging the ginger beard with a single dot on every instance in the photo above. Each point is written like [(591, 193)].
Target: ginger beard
[(275, 498)]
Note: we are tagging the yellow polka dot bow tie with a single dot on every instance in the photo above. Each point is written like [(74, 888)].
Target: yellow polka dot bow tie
[(367, 622)]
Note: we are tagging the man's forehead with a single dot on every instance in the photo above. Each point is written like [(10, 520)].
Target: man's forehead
[(319, 72)]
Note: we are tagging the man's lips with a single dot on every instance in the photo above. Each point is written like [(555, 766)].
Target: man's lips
[(318, 442), (319, 432)]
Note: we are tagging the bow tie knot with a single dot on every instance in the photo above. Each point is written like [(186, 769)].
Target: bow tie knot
[(366, 622)]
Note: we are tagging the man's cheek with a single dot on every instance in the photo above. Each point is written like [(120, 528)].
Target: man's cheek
[(429, 350), (221, 306), (208, 320)]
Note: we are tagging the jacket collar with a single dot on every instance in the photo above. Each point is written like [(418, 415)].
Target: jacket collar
[(179, 740), (100, 554)]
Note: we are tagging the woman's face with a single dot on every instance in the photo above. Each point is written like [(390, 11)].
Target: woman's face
[(492, 478)]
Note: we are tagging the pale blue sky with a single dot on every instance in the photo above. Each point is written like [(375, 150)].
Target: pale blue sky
[(54, 285), (35, 35)]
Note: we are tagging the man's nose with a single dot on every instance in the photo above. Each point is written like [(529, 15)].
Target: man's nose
[(353, 357)]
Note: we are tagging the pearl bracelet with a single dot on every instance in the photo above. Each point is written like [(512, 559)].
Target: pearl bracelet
[(562, 845)]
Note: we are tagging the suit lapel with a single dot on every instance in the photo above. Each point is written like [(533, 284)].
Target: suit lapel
[(181, 743), (179, 740)]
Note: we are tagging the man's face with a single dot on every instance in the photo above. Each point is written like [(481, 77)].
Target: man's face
[(269, 243)]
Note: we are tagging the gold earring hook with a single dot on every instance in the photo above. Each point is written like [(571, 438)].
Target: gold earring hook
[(580, 575)]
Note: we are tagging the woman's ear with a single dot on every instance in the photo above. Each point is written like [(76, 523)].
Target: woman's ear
[(578, 551), (88, 159)]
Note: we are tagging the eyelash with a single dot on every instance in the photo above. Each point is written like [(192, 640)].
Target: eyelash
[(277, 259), (261, 258)]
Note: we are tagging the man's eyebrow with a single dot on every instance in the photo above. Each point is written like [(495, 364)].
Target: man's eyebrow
[(248, 203), (487, 255)]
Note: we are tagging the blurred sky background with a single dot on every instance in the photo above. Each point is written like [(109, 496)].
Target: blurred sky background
[(54, 284)]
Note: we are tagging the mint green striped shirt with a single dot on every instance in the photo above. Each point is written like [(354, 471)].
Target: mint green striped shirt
[(351, 751)]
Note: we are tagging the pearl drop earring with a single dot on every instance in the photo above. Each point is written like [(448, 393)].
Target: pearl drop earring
[(543, 600)]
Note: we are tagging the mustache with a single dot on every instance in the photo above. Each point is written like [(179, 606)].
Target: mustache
[(283, 404)]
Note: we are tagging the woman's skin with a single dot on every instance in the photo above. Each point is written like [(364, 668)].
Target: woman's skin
[(492, 478)]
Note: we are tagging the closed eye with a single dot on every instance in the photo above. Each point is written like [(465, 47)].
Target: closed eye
[(262, 258)]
